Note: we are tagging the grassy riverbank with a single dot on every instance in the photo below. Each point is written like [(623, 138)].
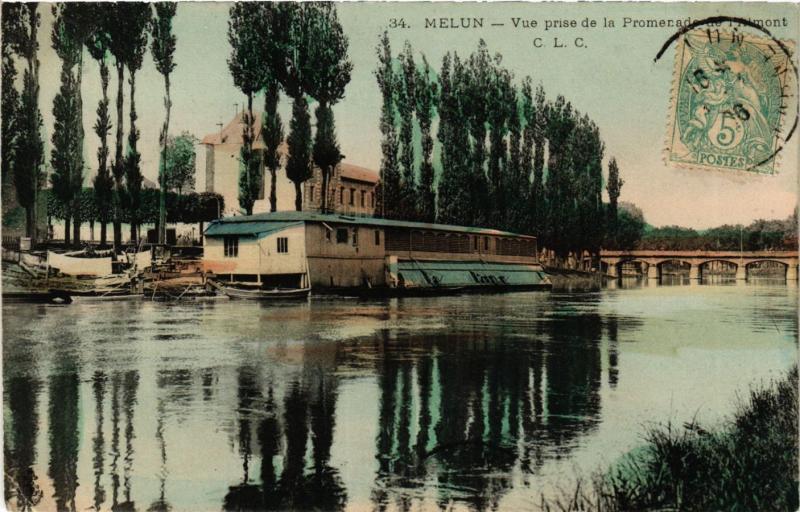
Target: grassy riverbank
[(750, 462)]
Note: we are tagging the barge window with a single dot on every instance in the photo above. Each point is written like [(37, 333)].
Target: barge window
[(341, 235), (475, 243), (377, 237), (352, 197), (372, 198), (486, 243), (283, 244), (363, 198), (231, 244), (341, 195), (311, 194)]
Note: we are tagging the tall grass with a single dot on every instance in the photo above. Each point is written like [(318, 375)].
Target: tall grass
[(750, 463)]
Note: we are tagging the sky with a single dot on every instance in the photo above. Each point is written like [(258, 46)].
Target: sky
[(610, 75)]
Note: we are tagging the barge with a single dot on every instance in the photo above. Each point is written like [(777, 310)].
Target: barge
[(367, 255)]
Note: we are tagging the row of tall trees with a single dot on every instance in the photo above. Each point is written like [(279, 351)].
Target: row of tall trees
[(107, 31), (300, 49), (509, 157), (23, 147)]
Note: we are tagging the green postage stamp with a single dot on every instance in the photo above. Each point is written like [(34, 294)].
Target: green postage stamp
[(732, 101)]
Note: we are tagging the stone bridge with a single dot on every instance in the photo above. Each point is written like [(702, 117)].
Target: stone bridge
[(650, 263)]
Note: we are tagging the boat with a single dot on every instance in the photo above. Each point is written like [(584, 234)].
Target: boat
[(368, 256), (241, 291)]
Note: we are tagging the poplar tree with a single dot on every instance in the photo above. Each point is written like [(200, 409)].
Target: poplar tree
[(103, 182), (478, 81), (118, 46), (29, 151), (502, 105), (613, 187), (66, 156), (454, 194), (526, 152), (245, 65), (137, 16), (406, 99), (294, 30), (163, 50), (389, 192), (326, 73), (537, 121), (272, 134), (427, 95), (12, 29)]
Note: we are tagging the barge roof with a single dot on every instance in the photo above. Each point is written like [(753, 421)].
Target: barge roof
[(260, 222)]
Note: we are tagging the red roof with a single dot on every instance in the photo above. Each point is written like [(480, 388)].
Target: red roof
[(232, 134)]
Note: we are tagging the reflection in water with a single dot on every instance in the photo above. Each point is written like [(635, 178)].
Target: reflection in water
[(19, 449), (63, 433), (475, 399)]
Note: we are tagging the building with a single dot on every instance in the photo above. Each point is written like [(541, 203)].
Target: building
[(329, 251), (351, 188)]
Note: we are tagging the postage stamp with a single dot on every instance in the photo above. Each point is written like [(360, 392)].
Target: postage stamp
[(731, 93)]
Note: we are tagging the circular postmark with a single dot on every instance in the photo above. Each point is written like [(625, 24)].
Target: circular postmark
[(732, 93)]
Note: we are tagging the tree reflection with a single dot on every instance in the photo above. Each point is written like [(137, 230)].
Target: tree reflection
[(501, 401), (19, 449)]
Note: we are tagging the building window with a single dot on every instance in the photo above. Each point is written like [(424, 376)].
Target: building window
[(341, 236), (328, 234), (341, 195), (352, 197), (372, 198), (355, 237), (283, 244), (311, 194), (231, 246), (377, 237), (363, 198)]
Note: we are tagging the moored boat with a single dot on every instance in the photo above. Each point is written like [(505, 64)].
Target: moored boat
[(242, 291), (369, 256)]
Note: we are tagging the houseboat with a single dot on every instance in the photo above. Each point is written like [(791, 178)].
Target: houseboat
[(331, 252)]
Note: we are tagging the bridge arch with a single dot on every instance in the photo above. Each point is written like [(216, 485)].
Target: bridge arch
[(767, 268), (673, 266), (718, 267), (630, 267)]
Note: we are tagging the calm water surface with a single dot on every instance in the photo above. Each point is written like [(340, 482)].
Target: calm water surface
[(472, 402)]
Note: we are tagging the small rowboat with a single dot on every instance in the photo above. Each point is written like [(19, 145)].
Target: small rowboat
[(257, 293)]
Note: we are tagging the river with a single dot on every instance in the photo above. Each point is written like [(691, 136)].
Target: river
[(469, 402)]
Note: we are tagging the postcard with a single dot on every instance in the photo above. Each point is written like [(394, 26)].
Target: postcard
[(399, 256)]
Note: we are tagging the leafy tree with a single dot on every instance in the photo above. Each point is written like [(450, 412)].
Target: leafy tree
[(502, 99), (427, 92), (180, 168), (535, 130), (406, 102), (325, 75), (454, 195), (163, 49), (294, 34), (614, 186), (12, 30), (29, 151), (118, 44), (630, 226), (67, 155), (137, 16), (246, 65), (98, 45), (272, 134), (298, 168), (389, 191)]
